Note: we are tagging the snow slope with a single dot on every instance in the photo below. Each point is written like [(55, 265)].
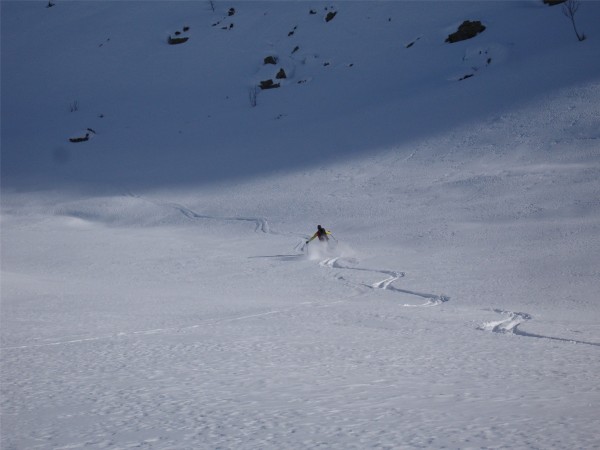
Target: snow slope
[(156, 288)]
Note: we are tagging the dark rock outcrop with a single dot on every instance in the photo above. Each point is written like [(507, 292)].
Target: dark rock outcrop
[(80, 139), (268, 84), (177, 40), (330, 15), (467, 30)]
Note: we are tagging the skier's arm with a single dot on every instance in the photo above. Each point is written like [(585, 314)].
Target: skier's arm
[(313, 236)]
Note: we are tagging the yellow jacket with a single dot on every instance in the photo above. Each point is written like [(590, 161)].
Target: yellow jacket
[(324, 235)]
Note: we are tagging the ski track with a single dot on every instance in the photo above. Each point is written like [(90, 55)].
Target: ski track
[(510, 325), (386, 284), (260, 223), (123, 335)]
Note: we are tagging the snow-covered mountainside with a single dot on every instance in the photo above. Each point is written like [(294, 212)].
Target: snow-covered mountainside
[(157, 288)]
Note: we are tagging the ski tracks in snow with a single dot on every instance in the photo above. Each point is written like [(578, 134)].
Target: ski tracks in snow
[(261, 225), (510, 325), (65, 340), (507, 325), (338, 262)]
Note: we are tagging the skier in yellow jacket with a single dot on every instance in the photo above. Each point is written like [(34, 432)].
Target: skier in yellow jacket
[(321, 233)]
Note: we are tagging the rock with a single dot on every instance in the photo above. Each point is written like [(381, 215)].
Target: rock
[(270, 60), (177, 40), (466, 30), (281, 74), (80, 139), (269, 84), (330, 16)]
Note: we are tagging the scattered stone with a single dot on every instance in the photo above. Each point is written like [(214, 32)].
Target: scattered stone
[(231, 12), (270, 60), (177, 40), (469, 75), (80, 139), (466, 30), (281, 74), (296, 48), (330, 16), (410, 44), (269, 84), (312, 12)]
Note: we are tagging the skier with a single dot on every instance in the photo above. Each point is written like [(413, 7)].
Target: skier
[(321, 233)]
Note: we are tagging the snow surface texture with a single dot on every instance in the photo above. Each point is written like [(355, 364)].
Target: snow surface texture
[(157, 291)]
